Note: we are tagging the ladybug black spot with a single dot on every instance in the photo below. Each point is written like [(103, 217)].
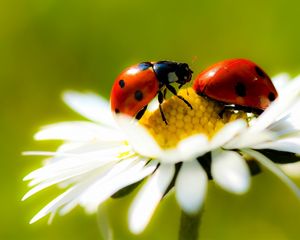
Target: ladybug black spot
[(138, 95), (144, 65), (271, 96), (240, 89), (117, 110), (122, 83), (259, 72)]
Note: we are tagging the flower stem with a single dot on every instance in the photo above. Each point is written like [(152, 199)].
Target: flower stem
[(189, 226)]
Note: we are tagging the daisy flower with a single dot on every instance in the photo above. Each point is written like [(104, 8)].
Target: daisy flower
[(102, 157)]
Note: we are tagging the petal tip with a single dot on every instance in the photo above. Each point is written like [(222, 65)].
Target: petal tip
[(35, 219), (241, 189), (24, 197), (136, 228)]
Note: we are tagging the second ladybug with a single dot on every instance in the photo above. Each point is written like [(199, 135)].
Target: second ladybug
[(136, 86), (238, 84)]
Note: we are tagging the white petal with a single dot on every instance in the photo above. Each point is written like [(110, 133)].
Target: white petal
[(72, 195), (68, 207), (190, 187), (111, 171), (80, 163), (249, 139), (52, 215), (192, 147), (148, 198), (94, 191), (284, 126), (274, 169), (78, 131), (171, 155), (56, 203), (186, 150), (294, 116), (46, 153), (68, 196), (138, 136), (290, 123), (291, 169), (230, 171), (113, 182), (287, 145), (69, 146), (153, 105), (59, 178), (280, 107), (280, 81), (86, 147), (228, 132), (79, 150), (90, 106)]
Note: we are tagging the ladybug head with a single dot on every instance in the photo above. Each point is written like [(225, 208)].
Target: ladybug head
[(169, 72), (184, 73)]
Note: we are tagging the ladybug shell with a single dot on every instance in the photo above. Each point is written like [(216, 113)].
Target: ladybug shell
[(133, 89), (237, 81)]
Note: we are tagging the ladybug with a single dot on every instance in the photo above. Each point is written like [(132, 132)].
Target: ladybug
[(137, 85), (238, 84)]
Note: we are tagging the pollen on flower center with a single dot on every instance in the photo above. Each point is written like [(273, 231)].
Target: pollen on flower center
[(183, 121)]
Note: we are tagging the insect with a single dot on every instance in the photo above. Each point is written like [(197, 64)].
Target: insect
[(137, 85), (237, 83)]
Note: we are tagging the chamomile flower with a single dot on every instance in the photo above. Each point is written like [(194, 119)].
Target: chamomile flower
[(101, 157)]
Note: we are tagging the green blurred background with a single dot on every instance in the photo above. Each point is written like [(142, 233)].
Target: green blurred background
[(49, 46)]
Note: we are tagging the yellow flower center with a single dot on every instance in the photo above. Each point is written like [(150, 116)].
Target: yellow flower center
[(183, 121)]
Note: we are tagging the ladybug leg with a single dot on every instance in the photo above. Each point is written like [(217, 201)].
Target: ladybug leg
[(239, 108), (228, 108), (222, 112), (160, 100), (173, 90), (165, 93), (141, 113), (185, 101)]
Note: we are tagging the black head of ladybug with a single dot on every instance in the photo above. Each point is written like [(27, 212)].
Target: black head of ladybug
[(184, 73), (169, 72)]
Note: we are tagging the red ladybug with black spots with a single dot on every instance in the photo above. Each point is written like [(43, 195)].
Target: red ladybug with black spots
[(238, 84), (137, 85)]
